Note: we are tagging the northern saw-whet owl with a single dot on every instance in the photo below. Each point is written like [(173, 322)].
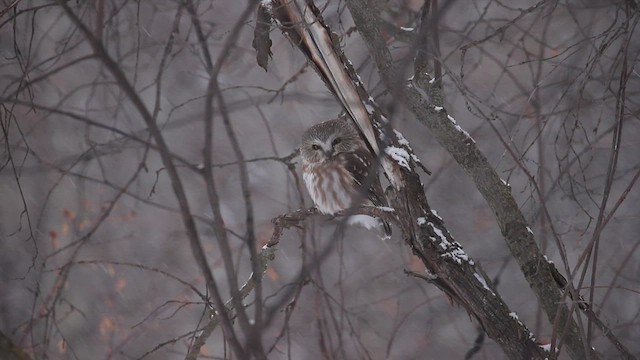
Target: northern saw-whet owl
[(336, 165)]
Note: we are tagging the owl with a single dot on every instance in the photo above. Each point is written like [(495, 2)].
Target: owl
[(335, 166)]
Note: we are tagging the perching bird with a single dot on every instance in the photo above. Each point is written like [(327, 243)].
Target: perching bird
[(336, 165)]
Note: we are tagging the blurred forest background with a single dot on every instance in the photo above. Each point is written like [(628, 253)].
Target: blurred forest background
[(95, 261)]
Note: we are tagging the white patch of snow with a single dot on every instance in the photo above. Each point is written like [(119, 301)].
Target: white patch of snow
[(399, 155), (406, 28), (363, 220), (454, 250), (546, 347), (432, 80), (440, 234), (513, 315), (438, 108), (422, 221), (457, 255), (435, 213), (442, 245), (386, 208), (485, 286), (529, 230), (459, 128), (401, 139), (465, 133)]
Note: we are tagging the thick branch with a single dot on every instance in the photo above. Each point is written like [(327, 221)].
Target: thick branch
[(429, 111), (448, 266)]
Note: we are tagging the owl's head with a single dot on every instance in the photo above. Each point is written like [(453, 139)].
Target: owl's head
[(323, 141)]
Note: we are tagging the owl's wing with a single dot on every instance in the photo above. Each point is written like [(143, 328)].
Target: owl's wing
[(360, 163)]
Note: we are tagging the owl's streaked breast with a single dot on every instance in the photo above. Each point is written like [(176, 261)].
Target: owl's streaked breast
[(331, 186)]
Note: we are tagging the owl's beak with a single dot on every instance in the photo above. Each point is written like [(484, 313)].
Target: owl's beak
[(328, 153)]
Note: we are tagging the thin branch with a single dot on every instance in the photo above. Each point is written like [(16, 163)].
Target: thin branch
[(188, 221)]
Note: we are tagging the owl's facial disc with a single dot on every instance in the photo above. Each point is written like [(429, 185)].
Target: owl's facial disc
[(326, 148)]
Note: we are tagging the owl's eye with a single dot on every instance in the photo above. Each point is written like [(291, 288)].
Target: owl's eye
[(335, 142), (315, 147)]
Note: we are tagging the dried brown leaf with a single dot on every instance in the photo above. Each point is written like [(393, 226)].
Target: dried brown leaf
[(261, 41)]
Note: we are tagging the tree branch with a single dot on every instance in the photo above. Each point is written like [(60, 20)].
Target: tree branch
[(426, 101), (165, 154), (448, 266)]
